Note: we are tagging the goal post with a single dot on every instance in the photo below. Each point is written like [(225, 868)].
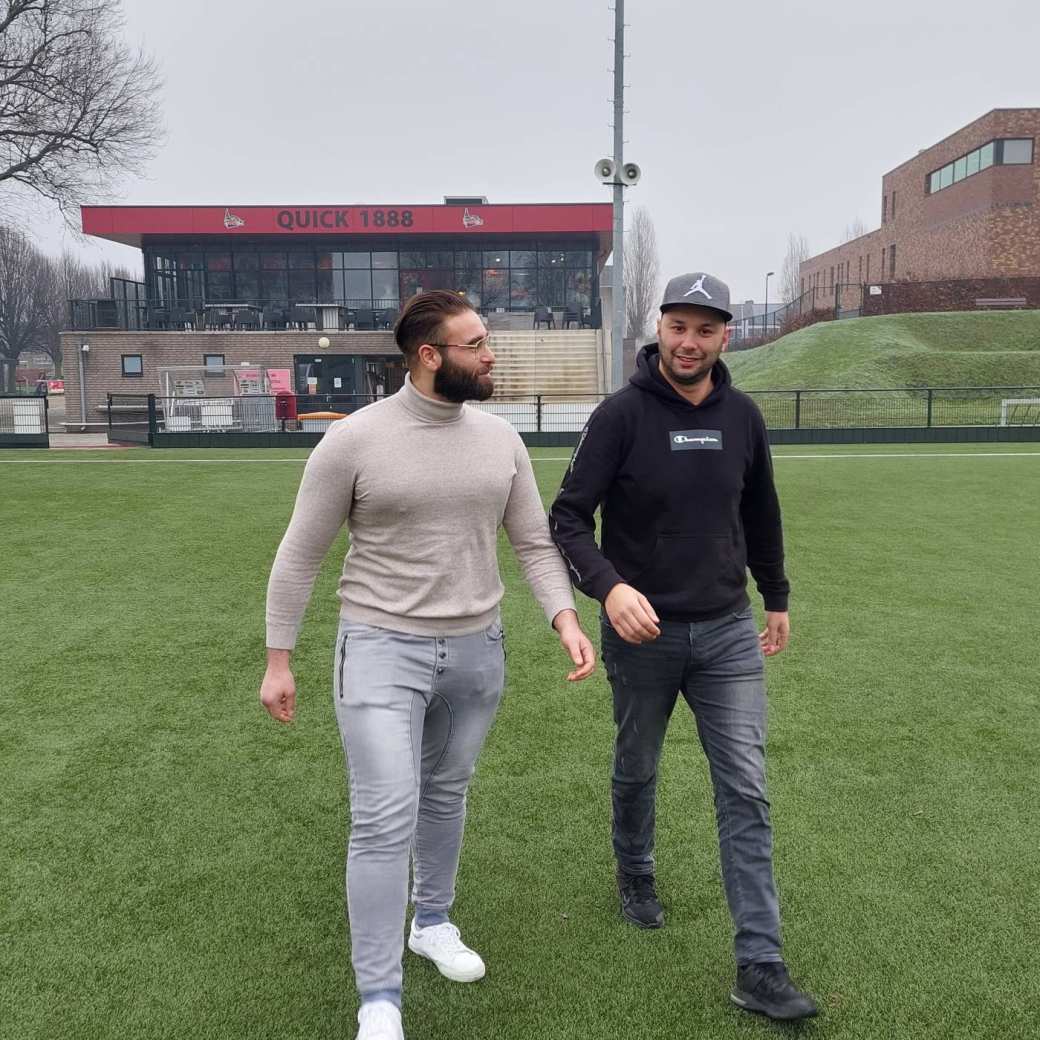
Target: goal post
[(1020, 411)]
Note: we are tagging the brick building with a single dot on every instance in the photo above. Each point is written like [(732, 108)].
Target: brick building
[(966, 210), (249, 300)]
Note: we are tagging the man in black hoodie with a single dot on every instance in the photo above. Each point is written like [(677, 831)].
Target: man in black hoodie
[(678, 463)]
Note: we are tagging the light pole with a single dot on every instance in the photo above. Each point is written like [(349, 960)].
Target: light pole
[(765, 305), (619, 175)]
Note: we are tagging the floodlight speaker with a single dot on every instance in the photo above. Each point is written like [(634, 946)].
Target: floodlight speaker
[(606, 170), (630, 174)]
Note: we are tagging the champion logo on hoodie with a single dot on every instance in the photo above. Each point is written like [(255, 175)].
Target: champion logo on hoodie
[(696, 440)]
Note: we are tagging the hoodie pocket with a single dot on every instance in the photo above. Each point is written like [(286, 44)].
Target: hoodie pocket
[(695, 572)]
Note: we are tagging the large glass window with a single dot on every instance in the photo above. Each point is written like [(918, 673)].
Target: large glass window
[(506, 275), (275, 286), (1010, 152), (523, 289), (384, 288), (356, 287), (247, 285), (1018, 152), (301, 286), (496, 288), (323, 286)]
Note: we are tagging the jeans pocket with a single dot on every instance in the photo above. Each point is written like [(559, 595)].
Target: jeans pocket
[(341, 662)]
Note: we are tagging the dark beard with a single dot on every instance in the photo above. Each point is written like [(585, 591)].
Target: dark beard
[(458, 385)]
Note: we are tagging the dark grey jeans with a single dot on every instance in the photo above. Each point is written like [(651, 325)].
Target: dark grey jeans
[(718, 667), (413, 712)]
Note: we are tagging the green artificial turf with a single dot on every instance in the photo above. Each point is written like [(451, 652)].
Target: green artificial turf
[(172, 859)]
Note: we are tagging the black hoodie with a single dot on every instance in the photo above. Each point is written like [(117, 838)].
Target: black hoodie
[(686, 497)]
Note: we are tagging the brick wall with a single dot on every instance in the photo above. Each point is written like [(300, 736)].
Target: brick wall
[(103, 364), (987, 225), (902, 297)]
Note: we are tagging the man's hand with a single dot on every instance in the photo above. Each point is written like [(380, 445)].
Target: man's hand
[(777, 632), (576, 643), (631, 615), (278, 690)]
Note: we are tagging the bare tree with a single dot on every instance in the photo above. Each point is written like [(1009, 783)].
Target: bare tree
[(854, 230), (78, 108), (642, 273), (790, 270), (23, 309), (71, 278)]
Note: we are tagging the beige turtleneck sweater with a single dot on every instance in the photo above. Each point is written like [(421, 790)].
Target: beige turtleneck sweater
[(423, 486)]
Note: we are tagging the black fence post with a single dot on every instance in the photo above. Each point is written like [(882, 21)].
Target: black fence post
[(109, 416), (928, 421), (538, 413), (153, 424), (46, 416), (797, 409)]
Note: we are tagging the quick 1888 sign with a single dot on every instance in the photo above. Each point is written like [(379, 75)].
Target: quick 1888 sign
[(338, 219)]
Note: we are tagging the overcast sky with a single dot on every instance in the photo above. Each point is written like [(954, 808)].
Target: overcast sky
[(750, 120)]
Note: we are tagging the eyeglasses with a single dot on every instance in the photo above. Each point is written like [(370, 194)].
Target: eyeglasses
[(476, 349)]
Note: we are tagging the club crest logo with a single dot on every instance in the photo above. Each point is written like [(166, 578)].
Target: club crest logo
[(471, 219), (232, 221)]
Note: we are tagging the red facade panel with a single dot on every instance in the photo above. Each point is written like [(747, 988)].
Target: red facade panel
[(129, 224)]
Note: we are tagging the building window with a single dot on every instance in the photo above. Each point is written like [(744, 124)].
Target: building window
[(892, 263), (1009, 152), (868, 267), (214, 363), (1018, 152), (884, 209), (133, 365), (893, 203)]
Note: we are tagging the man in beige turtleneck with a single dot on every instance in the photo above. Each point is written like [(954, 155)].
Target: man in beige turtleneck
[(424, 483)]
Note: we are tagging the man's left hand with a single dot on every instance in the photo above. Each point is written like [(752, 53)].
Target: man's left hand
[(576, 643), (777, 632)]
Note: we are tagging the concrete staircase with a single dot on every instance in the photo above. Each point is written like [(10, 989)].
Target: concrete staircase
[(547, 361)]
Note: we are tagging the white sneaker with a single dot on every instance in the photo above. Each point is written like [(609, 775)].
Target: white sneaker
[(379, 1020), (441, 944)]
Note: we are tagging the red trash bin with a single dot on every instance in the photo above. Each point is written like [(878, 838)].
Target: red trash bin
[(285, 407)]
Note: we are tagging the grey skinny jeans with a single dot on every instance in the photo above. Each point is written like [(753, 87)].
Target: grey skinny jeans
[(413, 713)]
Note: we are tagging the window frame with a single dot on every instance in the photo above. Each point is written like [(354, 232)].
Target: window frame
[(123, 358)]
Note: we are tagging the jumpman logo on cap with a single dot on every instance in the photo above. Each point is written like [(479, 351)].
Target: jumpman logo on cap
[(698, 286)]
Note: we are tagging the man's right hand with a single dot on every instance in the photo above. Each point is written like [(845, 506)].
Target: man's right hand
[(278, 690), (631, 615)]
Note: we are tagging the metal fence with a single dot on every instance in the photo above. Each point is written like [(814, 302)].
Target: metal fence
[(908, 407), (22, 415), (138, 417)]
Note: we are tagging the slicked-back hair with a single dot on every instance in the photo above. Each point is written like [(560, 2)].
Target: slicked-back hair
[(422, 320)]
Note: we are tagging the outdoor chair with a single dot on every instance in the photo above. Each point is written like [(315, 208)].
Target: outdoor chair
[(544, 315)]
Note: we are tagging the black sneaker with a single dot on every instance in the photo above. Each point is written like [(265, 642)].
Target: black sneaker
[(765, 987), (639, 903)]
